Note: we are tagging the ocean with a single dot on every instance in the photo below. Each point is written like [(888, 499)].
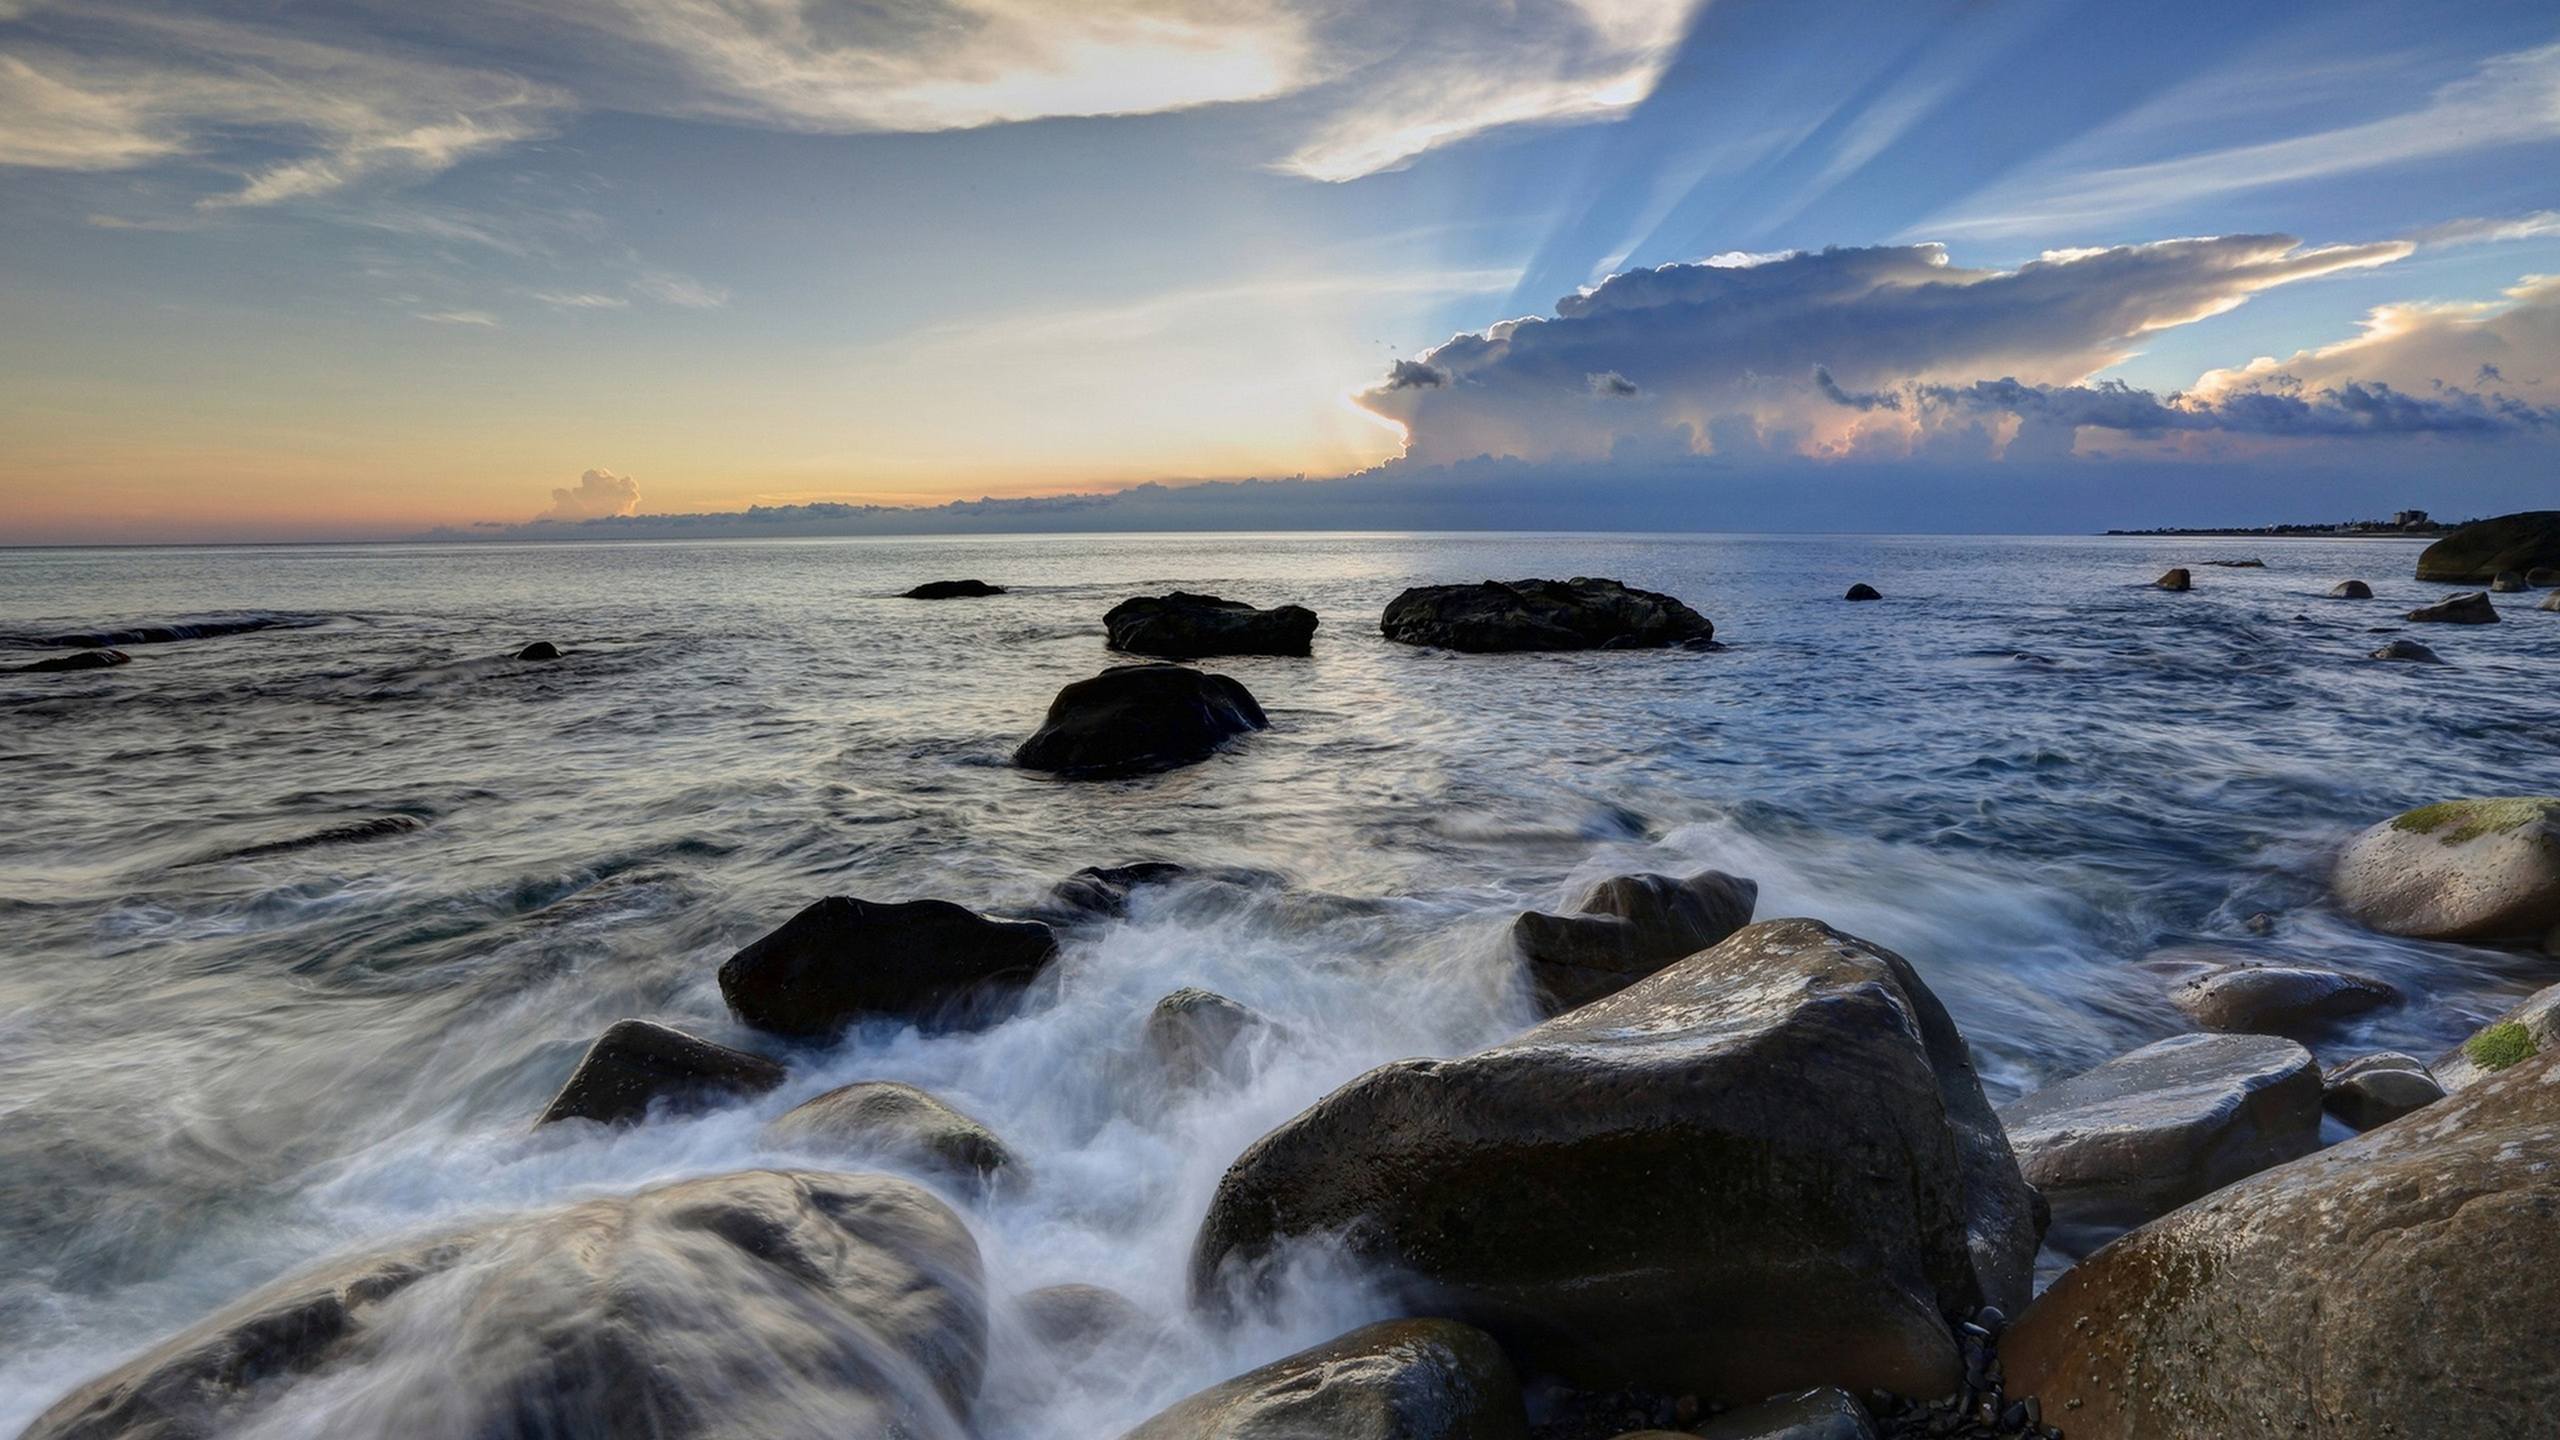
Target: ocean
[(2024, 769)]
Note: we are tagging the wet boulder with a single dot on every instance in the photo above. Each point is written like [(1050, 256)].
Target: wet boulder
[(2462, 870), (2396, 1284), (953, 590), (1625, 928), (84, 660), (842, 959), (2379, 1088), (1184, 626), (1103, 892), (1863, 591), (2471, 609), (783, 1305), (2351, 590), (885, 1122), (1076, 1323), (1576, 614), (2277, 999), (1767, 1165), (2409, 650), (2508, 583), (1395, 1380), (2149, 1131), (2532, 1028), (636, 1064), (2474, 554), (539, 650), (1139, 718), (2177, 579), (1197, 1035)]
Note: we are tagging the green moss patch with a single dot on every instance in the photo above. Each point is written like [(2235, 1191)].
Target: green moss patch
[(2455, 821), (2500, 1045)]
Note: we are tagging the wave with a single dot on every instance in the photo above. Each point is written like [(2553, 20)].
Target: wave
[(161, 632)]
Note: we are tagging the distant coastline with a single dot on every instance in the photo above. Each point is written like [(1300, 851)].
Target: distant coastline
[(2408, 524)]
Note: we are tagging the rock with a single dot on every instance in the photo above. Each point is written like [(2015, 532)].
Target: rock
[(842, 959), (2475, 553), (1139, 718), (782, 1305), (539, 650), (2149, 1131), (2351, 590), (1625, 928), (1576, 614), (1395, 1380), (2177, 579), (2379, 1088), (2541, 576), (2470, 609), (1184, 626), (1768, 1165), (1075, 1323), (636, 1064), (882, 1120), (2461, 870), (2550, 601), (953, 590), (2509, 583), (1198, 1035), (1828, 1413), (2393, 1285), (2531, 1028), (2408, 650), (85, 660), (1102, 892), (2296, 1000), (2252, 563), (1863, 591)]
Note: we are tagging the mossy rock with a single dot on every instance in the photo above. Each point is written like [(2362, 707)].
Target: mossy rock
[(2455, 821), (2475, 553), (2501, 1045), (2529, 1029), (2479, 869)]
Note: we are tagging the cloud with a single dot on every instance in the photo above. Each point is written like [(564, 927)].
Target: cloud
[(600, 495), (480, 318), (581, 300), (668, 288), (1780, 353), (2490, 230), (1611, 383), (2355, 407)]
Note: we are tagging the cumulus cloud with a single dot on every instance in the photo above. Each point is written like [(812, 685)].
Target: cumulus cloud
[(2355, 407), (1803, 352), (600, 495)]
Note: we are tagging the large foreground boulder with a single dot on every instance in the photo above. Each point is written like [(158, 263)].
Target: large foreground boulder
[(2532, 1028), (2475, 553), (2149, 1131), (1769, 1165), (780, 1305), (2395, 1285), (2460, 870), (1576, 614), (636, 1064), (883, 1120), (843, 959), (1138, 718), (1395, 1380), (1184, 626), (2472, 608), (1625, 928)]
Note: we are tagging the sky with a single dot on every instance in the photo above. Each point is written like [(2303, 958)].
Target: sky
[(322, 269)]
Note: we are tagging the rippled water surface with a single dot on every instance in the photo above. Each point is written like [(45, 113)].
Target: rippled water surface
[(2023, 769)]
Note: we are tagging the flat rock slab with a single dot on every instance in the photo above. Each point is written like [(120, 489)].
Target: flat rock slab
[(1396, 1380), (1184, 626), (1136, 719), (636, 1064), (2463, 870), (1576, 614)]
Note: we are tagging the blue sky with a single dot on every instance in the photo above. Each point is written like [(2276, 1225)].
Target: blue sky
[(355, 267)]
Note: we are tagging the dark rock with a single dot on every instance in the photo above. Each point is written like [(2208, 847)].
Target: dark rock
[(2460, 870), (2253, 563), (2470, 609), (953, 590), (1768, 1165), (167, 632), (885, 1121), (1576, 614), (1863, 591), (379, 827), (1198, 1035), (2280, 999), (2391, 1285), (2475, 553), (2531, 1028), (2379, 1088), (778, 1305), (636, 1064), (2149, 1131), (2177, 579), (1076, 1323), (539, 650), (1828, 1413), (2541, 576), (85, 660), (1101, 892), (1139, 718), (2509, 583), (2351, 590), (2408, 650), (1625, 928), (841, 959), (1184, 626), (1396, 1380)]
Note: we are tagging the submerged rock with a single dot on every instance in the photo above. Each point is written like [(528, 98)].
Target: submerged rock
[(2471, 609), (1102, 892), (953, 590), (539, 650), (1076, 1323), (2475, 553), (2509, 583), (1768, 1165), (780, 1305), (85, 660), (897, 1124), (1184, 626), (2351, 590), (1576, 614), (2255, 999), (2461, 870), (1625, 928), (2530, 1029), (842, 959), (1395, 1380), (2394, 1285), (1139, 718), (2177, 579), (1863, 591), (2379, 1088), (2408, 650), (636, 1064), (1198, 1035), (2149, 1131), (2252, 563)]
